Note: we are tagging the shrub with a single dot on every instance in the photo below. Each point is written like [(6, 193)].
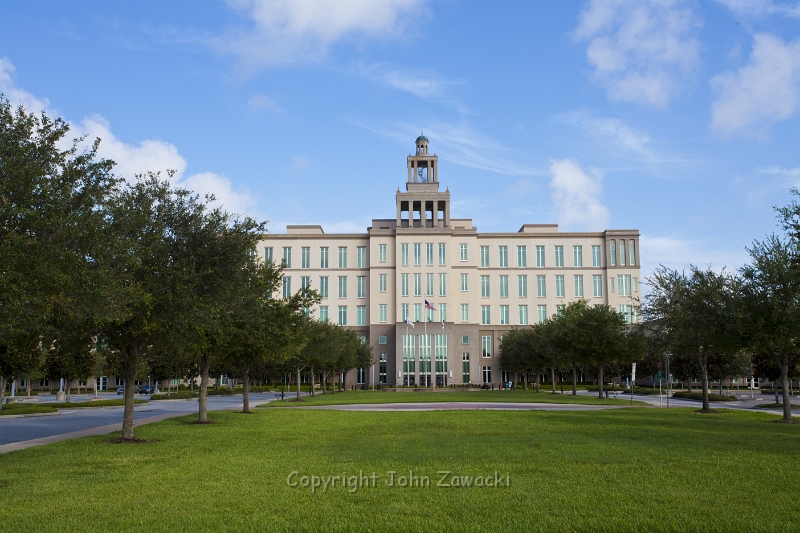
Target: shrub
[(686, 395)]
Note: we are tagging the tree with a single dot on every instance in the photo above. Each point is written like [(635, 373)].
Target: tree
[(51, 217), (699, 314), (71, 357)]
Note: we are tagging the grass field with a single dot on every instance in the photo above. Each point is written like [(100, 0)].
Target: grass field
[(350, 397), (618, 470)]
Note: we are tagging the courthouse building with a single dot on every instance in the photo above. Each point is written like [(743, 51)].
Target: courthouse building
[(480, 285)]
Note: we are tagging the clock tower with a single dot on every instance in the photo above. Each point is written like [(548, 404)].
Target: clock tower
[(422, 205)]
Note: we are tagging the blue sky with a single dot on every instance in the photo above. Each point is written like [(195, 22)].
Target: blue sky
[(679, 118)]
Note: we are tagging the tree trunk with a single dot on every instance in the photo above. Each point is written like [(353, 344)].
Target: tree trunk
[(246, 390), (28, 382), (313, 381), (525, 380), (2, 391), (600, 379), (574, 379), (129, 373), (553, 378), (787, 401), (704, 383), (324, 382), (95, 388), (202, 401), (538, 381), (298, 383), (69, 390)]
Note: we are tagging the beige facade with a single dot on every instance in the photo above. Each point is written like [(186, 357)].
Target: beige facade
[(481, 284)]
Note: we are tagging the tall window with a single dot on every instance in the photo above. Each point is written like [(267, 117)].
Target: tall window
[(635, 284), (287, 256), (560, 309), (465, 368), (611, 282), (487, 374), (408, 356), (484, 286), (633, 253), (579, 286), (464, 282), (622, 252), (541, 287), (342, 286), (429, 254), (382, 312), (323, 257), (522, 286), (540, 256), (404, 284), (486, 346), (442, 284), (305, 283), (362, 286), (559, 286), (404, 312), (442, 255), (323, 313), (343, 257), (442, 312), (424, 354), (305, 257), (503, 256), (382, 369), (577, 256), (268, 255), (597, 284), (559, 256), (287, 287), (430, 315), (342, 315), (541, 310), (361, 256), (323, 286), (428, 284), (417, 312), (404, 254), (417, 284), (522, 256), (382, 254), (382, 282), (486, 315), (440, 353), (361, 315), (624, 285), (464, 312), (503, 315), (484, 256), (463, 252), (613, 253), (596, 256), (503, 286), (523, 315), (417, 254)]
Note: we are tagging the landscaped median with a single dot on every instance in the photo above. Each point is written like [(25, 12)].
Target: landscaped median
[(511, 396), (34, 408)]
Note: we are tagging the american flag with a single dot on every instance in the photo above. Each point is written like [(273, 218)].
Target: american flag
[(429, 306)]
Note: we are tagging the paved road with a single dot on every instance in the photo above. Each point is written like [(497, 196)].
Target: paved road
[(14, 429), (455, 406)]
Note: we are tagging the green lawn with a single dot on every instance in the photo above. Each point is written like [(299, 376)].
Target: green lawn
[(351, 397), (618, 470)]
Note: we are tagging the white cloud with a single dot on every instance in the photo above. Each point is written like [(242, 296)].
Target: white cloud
[(131, 159), (425, 84), (576, 196), (18, 96), (640, 50), (679, 253), (612, 131), (262, 102), (760, 8), (763, 92), (298, 30)]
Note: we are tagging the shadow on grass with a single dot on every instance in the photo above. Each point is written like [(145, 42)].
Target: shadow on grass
[(199, 422), (132, 440)]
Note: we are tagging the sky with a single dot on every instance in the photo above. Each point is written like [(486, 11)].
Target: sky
[(679, 118)]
